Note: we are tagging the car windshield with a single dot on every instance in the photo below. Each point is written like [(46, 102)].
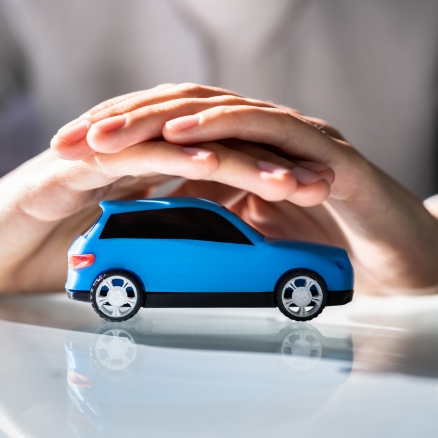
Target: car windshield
[(246, 223)]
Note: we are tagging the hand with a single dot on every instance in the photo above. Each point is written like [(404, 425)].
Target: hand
[(391, 237), (124, 121)]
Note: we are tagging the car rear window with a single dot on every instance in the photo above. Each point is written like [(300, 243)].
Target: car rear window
[(173, 223)]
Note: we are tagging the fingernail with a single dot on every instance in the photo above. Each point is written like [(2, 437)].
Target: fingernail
[(272, 171), (198, 154), (182, 123), (110, 124), (314, 167), (76, 121), (305, 177), (73, 133)]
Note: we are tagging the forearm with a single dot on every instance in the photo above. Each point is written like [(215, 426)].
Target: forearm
[(22, 233), (388, 226)]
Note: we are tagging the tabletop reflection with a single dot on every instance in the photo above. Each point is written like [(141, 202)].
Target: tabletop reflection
[(161, 377), (219, 372)]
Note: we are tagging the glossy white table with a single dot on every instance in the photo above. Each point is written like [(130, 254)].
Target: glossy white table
[(368, 369)]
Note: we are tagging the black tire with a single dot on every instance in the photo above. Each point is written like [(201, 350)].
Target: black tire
[(134, 292), (317, 290)]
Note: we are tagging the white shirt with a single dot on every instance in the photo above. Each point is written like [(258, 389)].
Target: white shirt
[(369, 68)]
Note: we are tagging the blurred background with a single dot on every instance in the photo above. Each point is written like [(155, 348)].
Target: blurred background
[(369, 68)]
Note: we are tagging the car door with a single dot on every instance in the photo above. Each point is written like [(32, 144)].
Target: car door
[(185, 249), (199, 250)]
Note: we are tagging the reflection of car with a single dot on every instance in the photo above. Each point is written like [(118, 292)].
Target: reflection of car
[(188, 252), (192, 376)]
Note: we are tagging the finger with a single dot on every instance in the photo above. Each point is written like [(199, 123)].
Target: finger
[(162, 93), (249, 167), (115, 101), (323, 126), (267, 153), (262, 125), (69, 143), (234, 168), (320, 124), (321, 169), (209, 161), (313, 179), (253, 169), (156, 157), (116, 133), (213, 191), (294, 137), (431, 204)]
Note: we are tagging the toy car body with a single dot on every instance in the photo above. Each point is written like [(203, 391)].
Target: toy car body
[(189, 252)]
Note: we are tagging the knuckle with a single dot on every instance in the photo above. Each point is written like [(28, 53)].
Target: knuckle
[(226, 110), (164, 107), (323, 125), (234, 111), (101, 164), (214, 112), (122, 107), (189, 88), (103, 106), (282, 113), (228, 99)]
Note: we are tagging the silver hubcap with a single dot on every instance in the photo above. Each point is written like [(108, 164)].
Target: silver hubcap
[(116, 350), (301, 350), (302, 296), (116, 296)]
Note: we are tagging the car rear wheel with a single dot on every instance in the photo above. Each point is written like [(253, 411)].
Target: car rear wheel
[(301, 295), (116, 296)]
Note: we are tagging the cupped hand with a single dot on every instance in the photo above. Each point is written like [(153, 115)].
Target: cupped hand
[(125, 121)]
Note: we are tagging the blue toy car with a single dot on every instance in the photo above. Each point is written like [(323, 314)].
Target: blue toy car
[(189, 252)]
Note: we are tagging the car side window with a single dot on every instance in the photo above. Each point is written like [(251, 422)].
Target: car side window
[(173, 223)]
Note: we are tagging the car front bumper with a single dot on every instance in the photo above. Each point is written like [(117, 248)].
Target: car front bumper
[(338, 298)]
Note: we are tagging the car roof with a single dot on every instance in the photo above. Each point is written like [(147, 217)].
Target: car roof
[(156, 204)]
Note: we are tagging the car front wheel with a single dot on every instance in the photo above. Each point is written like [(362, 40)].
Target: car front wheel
[(116, 296), (301, 295)]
